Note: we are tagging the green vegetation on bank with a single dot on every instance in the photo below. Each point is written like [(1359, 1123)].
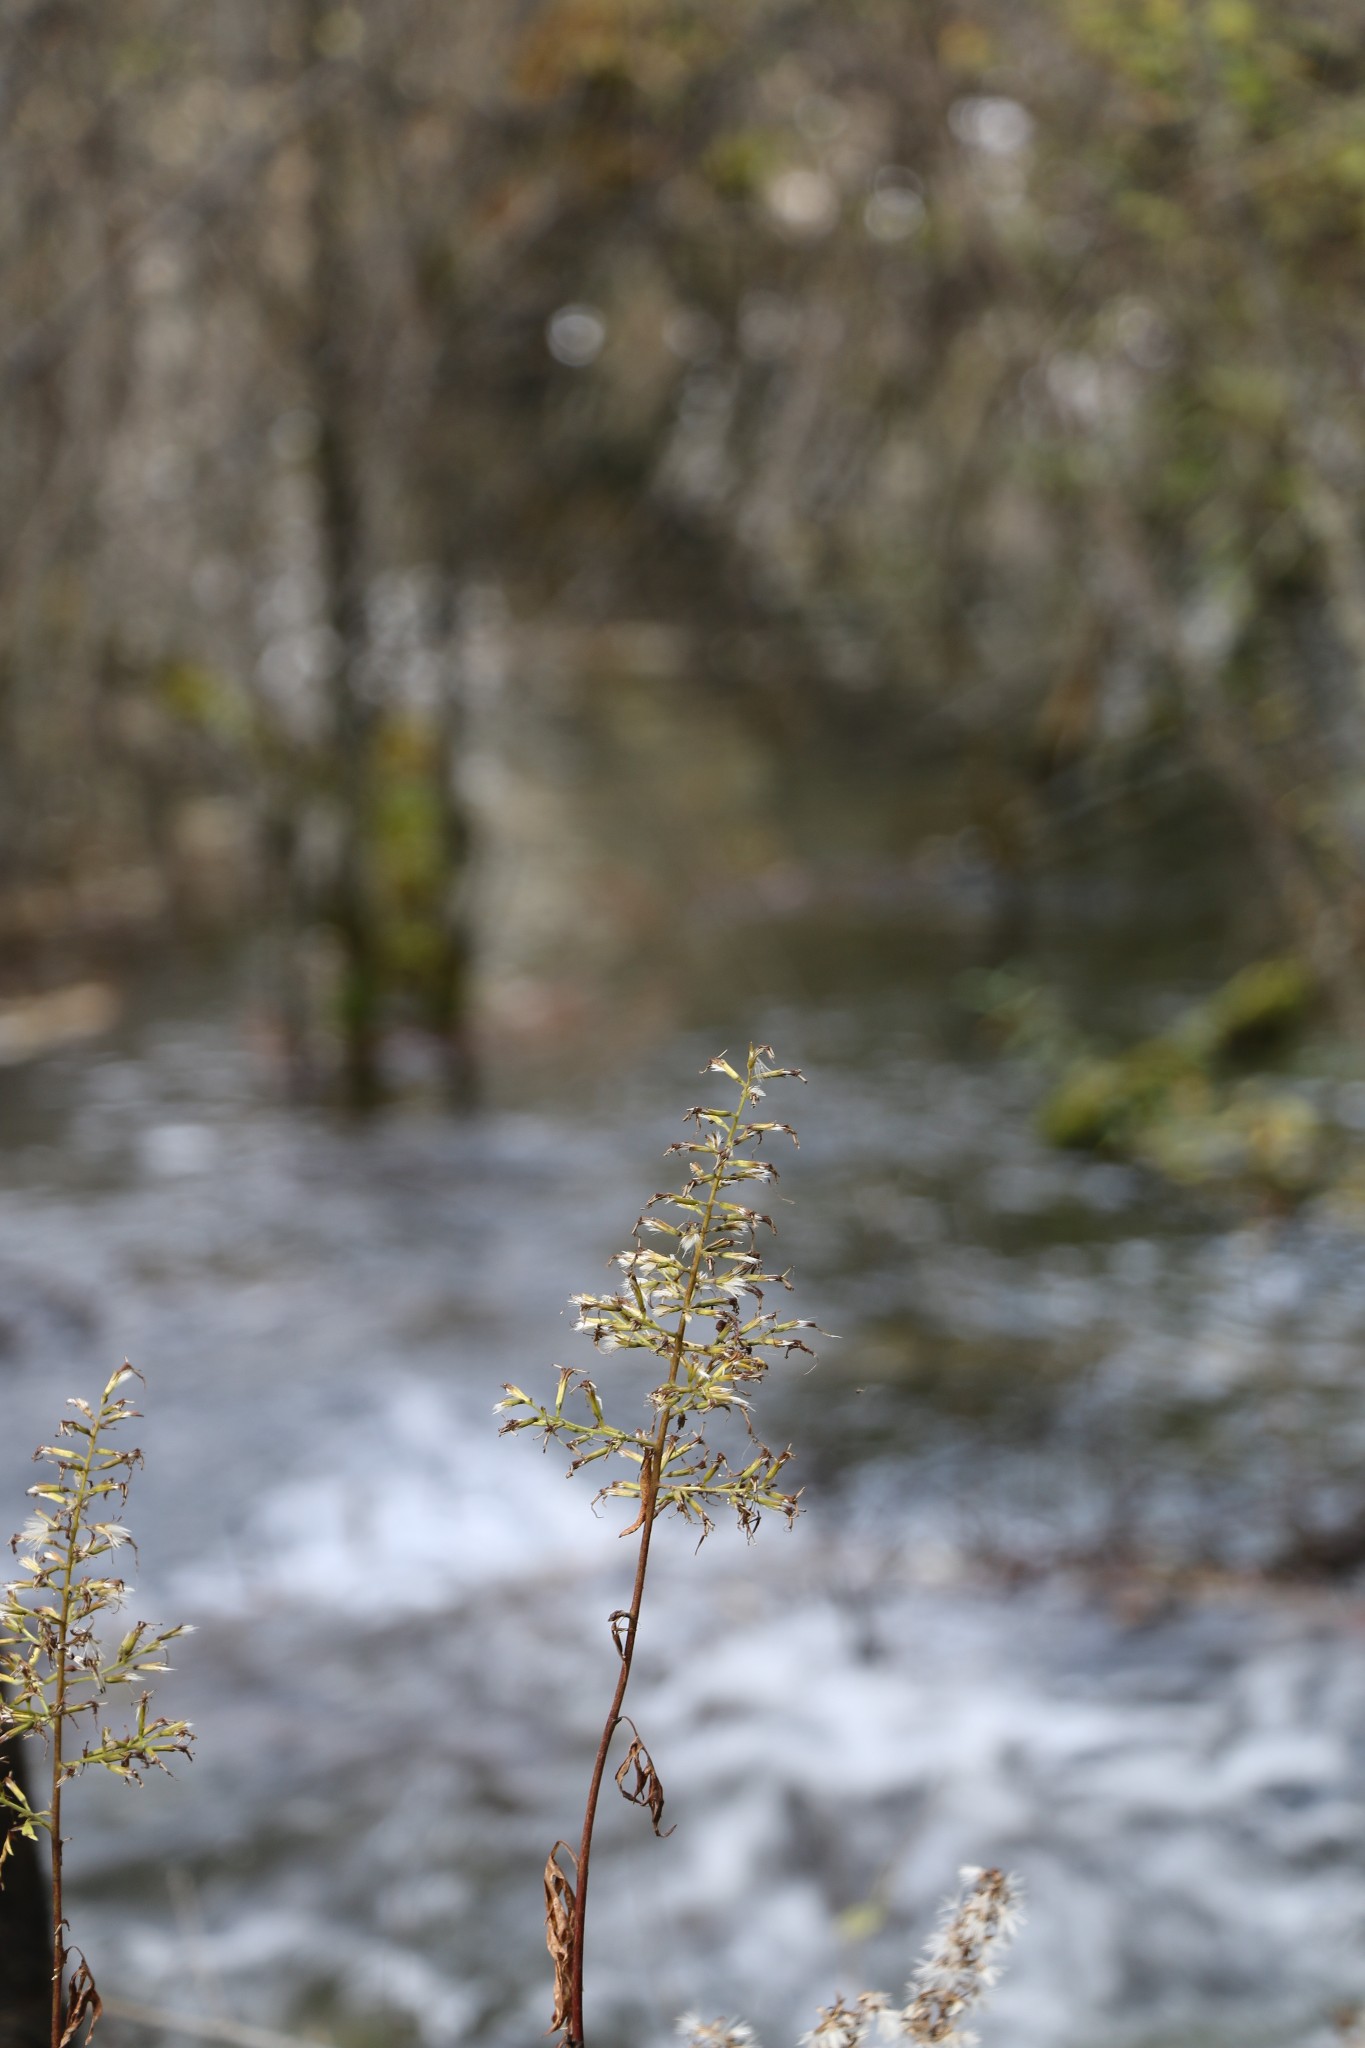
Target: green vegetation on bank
[(1207, 1102)]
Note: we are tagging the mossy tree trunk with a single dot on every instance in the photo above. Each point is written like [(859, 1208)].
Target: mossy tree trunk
[(355, 298), (334, 343)]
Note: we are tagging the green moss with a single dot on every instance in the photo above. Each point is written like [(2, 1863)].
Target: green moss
[(1101, 1104), (737, 165), (1258, 1008), (203, 698), (1176, 1103)]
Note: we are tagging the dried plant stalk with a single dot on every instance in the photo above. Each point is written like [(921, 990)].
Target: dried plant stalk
[(53, 1668), (695, 1304), (958, 1968)]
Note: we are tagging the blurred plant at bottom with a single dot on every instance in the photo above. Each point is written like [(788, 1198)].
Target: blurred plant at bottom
[(959, 1967)]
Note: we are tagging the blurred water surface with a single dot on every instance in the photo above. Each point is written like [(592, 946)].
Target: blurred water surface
[(1073, 1428)]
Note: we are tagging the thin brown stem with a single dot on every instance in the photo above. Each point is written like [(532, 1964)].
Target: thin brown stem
[(58, 1945), (648, 1490), (650, 1470)]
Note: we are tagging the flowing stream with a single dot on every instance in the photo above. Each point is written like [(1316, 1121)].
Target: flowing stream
[(1070, 1429)]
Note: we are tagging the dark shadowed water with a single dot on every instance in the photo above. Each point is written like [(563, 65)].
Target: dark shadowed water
[(1070, 1421)]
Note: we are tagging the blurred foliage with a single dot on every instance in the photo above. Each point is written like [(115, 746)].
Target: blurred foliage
[(992, 367), (1182, 1102)]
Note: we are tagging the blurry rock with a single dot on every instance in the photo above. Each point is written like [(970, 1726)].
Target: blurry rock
[(101, 900), (116, 898), (65, 1016)]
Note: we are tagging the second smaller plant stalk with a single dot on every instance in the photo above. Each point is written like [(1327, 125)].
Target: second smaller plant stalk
[(53, 1668)]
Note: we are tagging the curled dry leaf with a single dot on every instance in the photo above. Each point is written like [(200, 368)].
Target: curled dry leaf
[(83, 2004), (559, 1915), (646, 1790)]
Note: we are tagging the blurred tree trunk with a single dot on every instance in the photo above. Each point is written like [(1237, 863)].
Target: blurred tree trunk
[(1321, 913), (25, 1937), (333, 344), (360, 300), (448, 1008)]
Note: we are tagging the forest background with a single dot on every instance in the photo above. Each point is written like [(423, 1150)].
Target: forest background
[(533, 536), (986, 378)]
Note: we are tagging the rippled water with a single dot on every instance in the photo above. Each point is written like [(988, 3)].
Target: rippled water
[(1068, 1422)]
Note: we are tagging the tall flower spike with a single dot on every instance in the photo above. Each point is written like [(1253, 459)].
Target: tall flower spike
[(692, 1297), (697, 1304)]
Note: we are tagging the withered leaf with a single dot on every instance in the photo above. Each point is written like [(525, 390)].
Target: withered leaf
[(559, 1936), (646, 1789), (83, 2004)]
